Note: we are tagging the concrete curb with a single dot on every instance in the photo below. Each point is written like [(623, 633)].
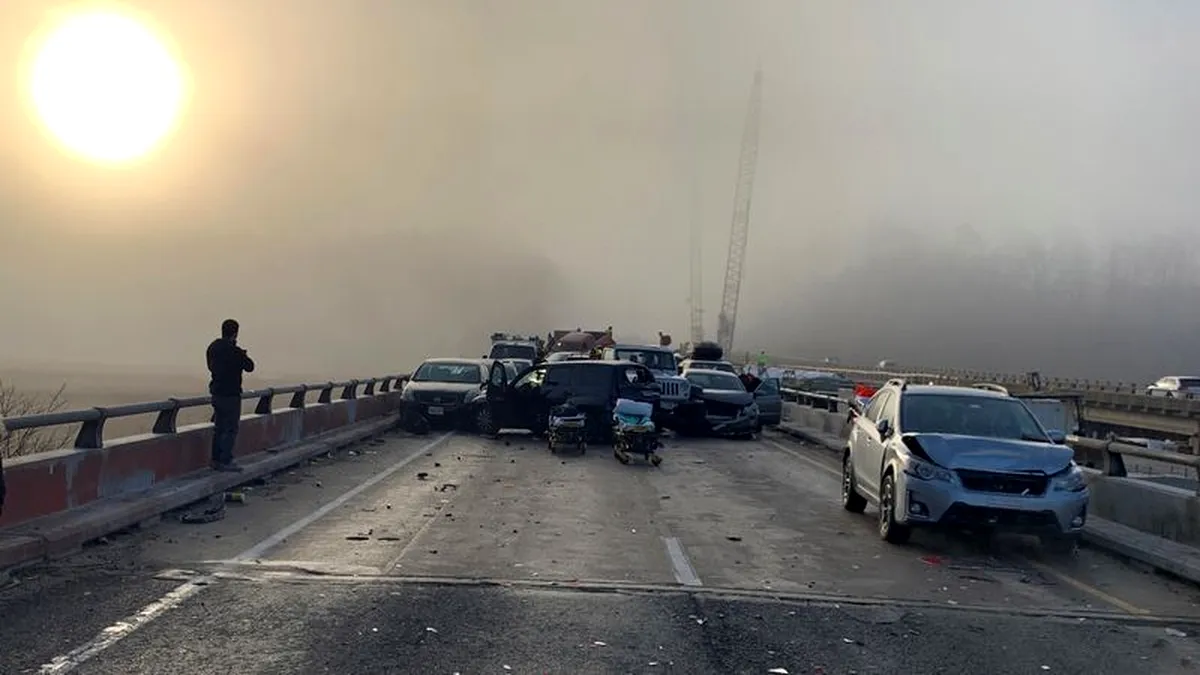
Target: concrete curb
[(63, 533), (1163, 554)]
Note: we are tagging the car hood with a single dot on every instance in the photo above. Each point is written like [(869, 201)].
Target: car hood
[(442, 387), (666, 374), (992, 454), (721, 396)]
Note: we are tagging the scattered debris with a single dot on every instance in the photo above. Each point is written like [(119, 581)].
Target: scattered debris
[(933, 560), (1174, 632), (447, 486), (430, 629), (422, 475), (733, 537), (778, 671), (598, 643)]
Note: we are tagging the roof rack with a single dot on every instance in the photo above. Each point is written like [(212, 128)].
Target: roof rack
[(990, 387), (897, 382)]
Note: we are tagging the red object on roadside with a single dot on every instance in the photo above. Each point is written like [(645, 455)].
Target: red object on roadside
[(864, 390)]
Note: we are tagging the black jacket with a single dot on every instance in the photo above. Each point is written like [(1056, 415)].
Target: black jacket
[(226, 363)]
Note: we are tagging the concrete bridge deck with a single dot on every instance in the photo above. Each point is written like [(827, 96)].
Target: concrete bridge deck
[(458, 554)]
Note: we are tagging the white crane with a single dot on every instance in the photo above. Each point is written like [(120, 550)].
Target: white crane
[(735, 263)]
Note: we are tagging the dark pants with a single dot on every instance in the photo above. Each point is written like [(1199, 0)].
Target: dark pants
[(227, 412)]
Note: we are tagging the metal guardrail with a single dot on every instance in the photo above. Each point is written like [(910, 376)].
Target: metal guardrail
[(1104, 454), (1096, 392), (91, 433)]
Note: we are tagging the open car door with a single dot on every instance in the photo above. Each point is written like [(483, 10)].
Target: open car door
[(770, 401), (499, 397)]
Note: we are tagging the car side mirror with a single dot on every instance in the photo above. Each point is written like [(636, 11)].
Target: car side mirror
[(1057, 436), (884, 427)]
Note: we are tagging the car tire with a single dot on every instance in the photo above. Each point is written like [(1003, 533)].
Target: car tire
[(483, 422), (1065, 545), (852, 501), (889, 530)]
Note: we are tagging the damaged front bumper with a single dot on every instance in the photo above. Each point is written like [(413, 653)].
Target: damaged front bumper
[(742, 424)]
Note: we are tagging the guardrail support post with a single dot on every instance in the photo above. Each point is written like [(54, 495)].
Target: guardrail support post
[(385, 385), (264, 402), (369, 390), (91, 432), (298, 397), (167, 421), (350, 390), (326, 395)]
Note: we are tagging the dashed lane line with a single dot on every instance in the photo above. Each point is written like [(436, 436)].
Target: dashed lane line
[(122, 629), (680, 565)]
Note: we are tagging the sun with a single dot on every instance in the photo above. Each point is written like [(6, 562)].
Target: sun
[(105, 86)]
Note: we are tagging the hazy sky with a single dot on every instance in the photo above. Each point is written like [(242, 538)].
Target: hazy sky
[(363, 183)]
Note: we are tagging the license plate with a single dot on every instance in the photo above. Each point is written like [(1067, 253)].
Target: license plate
[(435, 410)]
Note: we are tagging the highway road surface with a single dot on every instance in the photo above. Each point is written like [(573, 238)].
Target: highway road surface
[(455, 554)]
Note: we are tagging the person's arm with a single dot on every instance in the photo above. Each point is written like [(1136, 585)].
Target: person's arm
[(247, 362)]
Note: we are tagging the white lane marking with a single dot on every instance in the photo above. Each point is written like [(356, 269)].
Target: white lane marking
[(684, 572), (125, 627)]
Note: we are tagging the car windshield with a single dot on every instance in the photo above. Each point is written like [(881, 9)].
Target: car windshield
[(713, 365), (719, 381), (984, 416), (651, 358), (509, 351), (458, 373)]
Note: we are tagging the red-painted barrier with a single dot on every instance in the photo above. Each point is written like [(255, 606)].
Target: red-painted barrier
[(51, 482)]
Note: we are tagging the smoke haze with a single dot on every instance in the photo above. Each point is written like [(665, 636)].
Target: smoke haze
[(364, 183)]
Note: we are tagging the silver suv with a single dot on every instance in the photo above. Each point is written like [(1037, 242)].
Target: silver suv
[(675, 389), (961, 456)]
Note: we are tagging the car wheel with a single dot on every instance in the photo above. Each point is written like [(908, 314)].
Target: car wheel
[(851, 500), (483, 421), (1066, 545), (889, 530)]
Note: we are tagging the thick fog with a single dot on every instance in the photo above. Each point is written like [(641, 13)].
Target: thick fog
[(364, 183)]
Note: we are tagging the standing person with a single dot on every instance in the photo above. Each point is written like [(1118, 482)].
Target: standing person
[(762, 363), (226, 363)]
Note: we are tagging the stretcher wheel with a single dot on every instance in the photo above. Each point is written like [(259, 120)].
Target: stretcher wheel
[(655, 460)]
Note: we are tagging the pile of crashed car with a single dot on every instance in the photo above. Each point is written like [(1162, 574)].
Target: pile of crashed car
[(526, 383)]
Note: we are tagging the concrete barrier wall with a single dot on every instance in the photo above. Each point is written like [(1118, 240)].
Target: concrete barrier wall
[(823, 421), (50, 482), (1161, 510)]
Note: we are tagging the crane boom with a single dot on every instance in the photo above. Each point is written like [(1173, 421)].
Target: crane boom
[(740, 229), (696, 294)]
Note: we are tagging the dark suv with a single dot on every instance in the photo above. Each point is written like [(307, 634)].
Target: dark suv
[(524, 401)]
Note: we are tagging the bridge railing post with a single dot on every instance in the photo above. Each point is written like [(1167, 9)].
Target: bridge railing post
[(91, 432), (265, 400)]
